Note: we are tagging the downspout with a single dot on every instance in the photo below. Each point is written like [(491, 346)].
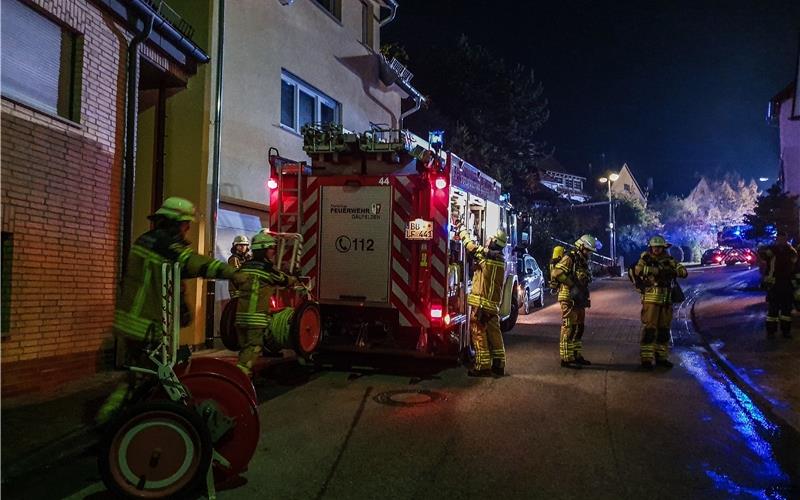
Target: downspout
[(393, 8), (131, 119), (212, 220), (419, 99)]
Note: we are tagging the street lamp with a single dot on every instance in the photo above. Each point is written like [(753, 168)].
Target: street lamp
[(611, 217)]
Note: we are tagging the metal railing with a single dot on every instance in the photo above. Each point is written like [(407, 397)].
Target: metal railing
[(172, 17)]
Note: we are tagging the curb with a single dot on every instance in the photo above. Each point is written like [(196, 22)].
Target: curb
[(69, 446), (731, 371)]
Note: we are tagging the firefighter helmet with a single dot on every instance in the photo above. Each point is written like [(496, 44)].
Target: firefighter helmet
[(177, 209), (588, 242), (500, 238), (263, 241), (241, 240), (658, 241)]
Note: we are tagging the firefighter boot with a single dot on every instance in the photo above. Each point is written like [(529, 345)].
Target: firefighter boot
[(479, 373), (498, 368), (786, 326), (577, 346), (772, 326)]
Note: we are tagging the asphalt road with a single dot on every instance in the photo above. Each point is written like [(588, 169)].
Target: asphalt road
[(605, 431)]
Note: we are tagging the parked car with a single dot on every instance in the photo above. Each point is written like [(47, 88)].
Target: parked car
[(531, 283), (711, 256)]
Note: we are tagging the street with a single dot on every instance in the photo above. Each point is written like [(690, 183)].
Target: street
[(605, 431)]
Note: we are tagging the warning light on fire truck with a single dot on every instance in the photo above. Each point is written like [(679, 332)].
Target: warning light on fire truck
[(272, 184), (440, 183)]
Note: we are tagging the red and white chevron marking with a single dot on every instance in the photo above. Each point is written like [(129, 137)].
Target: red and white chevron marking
[(403, 295), (310, 229)]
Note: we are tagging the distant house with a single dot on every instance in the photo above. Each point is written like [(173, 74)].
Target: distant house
[(627, 186), (568, 186), (784, 112)]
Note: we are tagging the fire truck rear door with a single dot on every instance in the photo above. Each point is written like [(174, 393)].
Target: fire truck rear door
[(355, 234)]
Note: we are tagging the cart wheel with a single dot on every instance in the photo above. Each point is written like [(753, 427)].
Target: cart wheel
[(306, 329), (157, 449), (219, 367), (238, 443), (227, 326)]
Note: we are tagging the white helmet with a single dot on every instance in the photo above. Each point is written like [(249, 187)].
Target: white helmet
[(588, 242), (241, 240)]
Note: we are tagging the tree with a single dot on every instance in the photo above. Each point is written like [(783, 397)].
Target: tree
[(775, 208), (490, 110)]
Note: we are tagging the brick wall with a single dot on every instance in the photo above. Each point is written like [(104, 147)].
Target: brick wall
[(61, 201)]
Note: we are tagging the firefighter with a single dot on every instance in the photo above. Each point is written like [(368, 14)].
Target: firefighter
[(240, 253), (484, 298), (252, 312), (779, 280), (657, 269), (573, 275), (137, 317)]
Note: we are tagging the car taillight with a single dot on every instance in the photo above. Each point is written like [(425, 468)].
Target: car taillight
[(447, 320), (436, 312), (717, 258)]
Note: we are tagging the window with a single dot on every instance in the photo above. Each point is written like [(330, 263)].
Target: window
[(302, 104), (367, 23), (39, 61), (7, 259), (627, 187), (333, 7)]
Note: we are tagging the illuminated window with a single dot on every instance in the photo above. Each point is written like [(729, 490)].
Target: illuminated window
[(40, 61), (302, 104)]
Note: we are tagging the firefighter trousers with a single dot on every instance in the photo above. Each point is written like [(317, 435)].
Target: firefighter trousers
[(251, 343), (779, 311), (487, 339), (572, 325), (656, 321)]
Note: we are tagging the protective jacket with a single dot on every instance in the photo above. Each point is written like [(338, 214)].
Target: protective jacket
[(657, 272), (489, 275), (572, 272), (236, 260), (781, 267), (261, 280), (138, 311)]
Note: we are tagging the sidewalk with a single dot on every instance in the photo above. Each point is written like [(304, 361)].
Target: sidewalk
[(42, 429), (731, 319)]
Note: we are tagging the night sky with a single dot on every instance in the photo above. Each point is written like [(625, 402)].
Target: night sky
[(675, 89)]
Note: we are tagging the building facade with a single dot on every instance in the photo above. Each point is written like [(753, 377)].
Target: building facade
[(64, 75), (285, 65)]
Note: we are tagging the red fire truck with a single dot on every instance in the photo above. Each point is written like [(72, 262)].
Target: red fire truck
[(377, 212)]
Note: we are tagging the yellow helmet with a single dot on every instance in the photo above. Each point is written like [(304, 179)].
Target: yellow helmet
[(587, 241), (263, 241), (658, 241), (500, 238), (177, 209)]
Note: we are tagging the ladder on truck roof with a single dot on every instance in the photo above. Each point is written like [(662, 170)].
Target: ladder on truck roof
[(288, 201)]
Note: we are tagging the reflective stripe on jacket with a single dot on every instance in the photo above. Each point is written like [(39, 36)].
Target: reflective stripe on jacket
[(138, 311), (489, 276), (255, 292), (658, 271), (571, 270)]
